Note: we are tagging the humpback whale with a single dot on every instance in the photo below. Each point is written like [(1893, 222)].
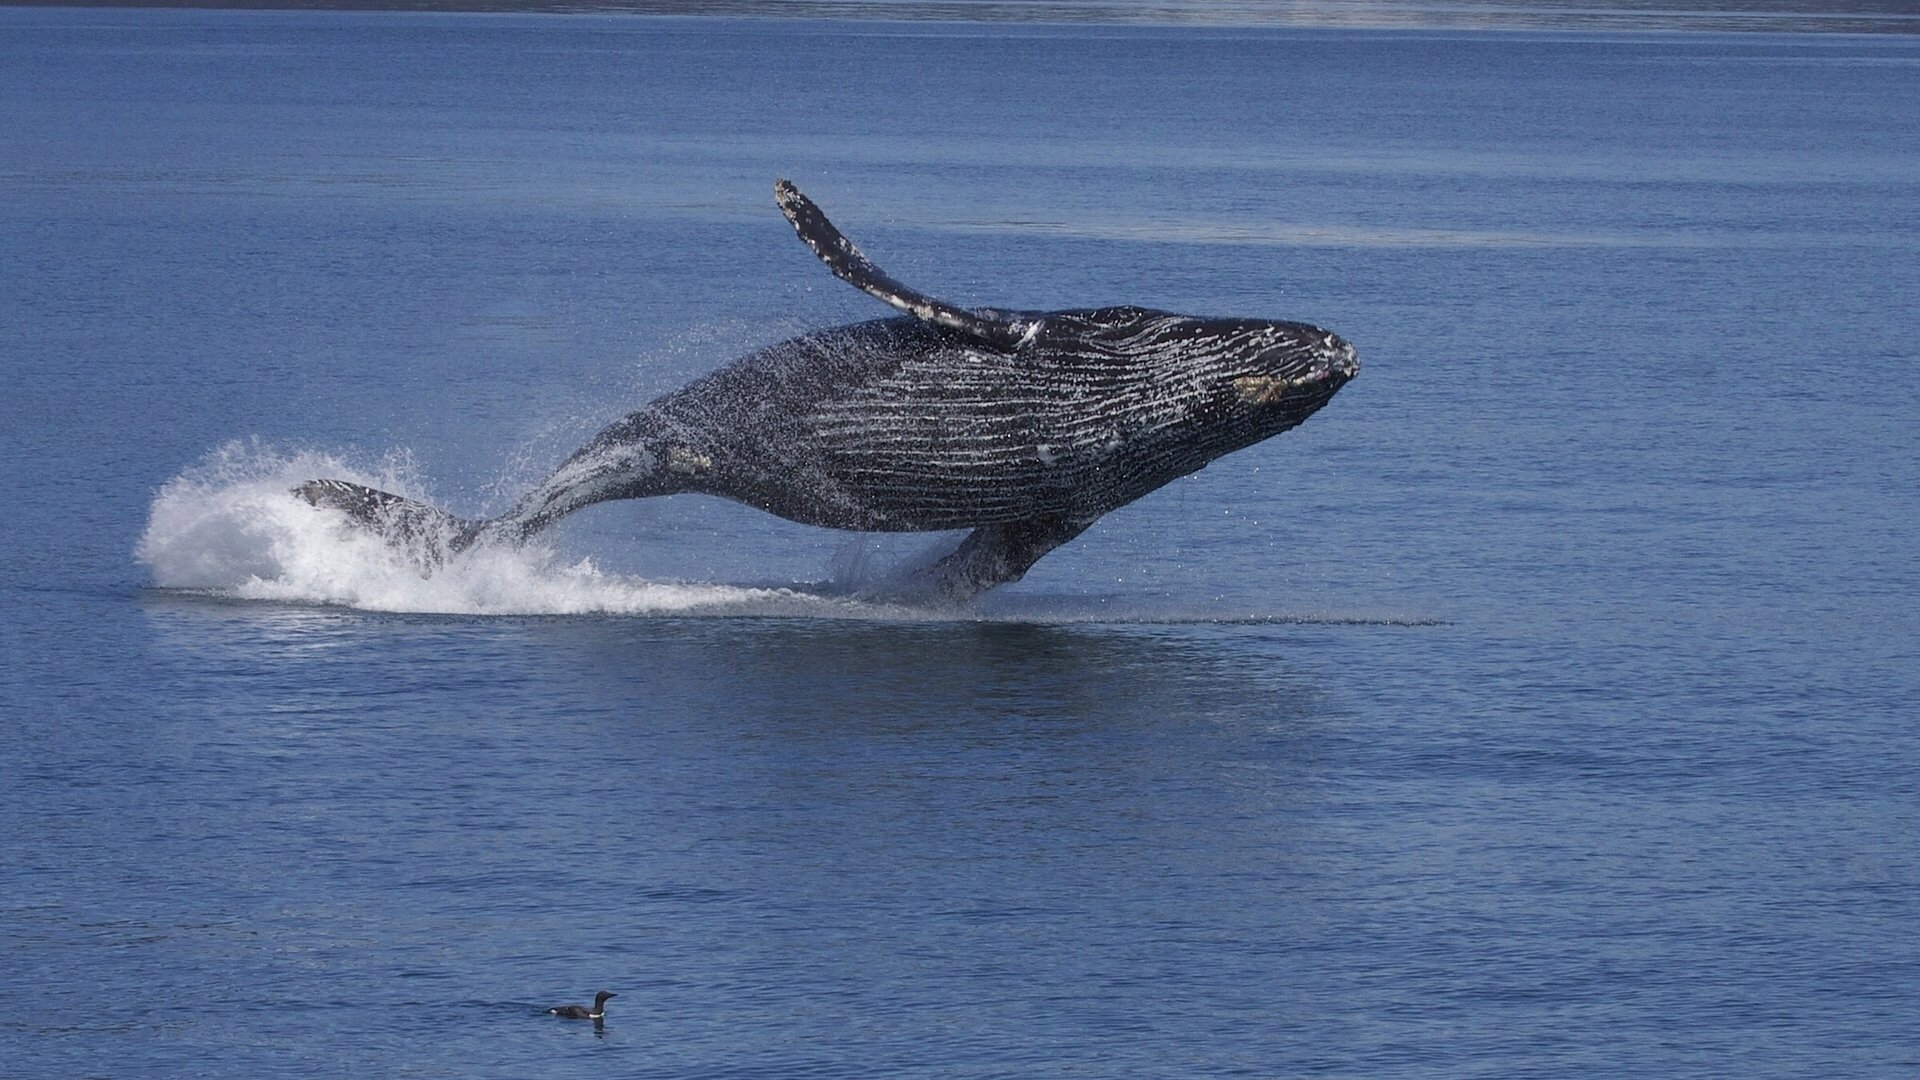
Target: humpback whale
[(1022, 426)]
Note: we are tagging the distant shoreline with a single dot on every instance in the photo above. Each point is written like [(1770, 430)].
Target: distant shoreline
[(1895, 17)]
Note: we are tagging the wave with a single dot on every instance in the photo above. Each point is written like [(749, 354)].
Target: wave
[(231, 529)]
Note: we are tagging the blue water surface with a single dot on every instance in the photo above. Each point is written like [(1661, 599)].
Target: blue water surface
[(1544, 706)]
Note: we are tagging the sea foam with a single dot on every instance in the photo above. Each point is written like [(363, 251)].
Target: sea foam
[(231, 526)]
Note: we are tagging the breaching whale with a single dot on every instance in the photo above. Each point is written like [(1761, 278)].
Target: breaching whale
[(1023, 426)]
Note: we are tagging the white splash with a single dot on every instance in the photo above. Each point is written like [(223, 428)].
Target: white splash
[(231, 526)]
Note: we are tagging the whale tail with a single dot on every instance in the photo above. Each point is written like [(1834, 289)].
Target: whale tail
[(432, 536)]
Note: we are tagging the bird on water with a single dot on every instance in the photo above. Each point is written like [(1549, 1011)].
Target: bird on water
[(582, 1012)]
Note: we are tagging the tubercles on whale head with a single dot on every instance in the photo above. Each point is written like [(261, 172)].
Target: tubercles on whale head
[(1338, 354)]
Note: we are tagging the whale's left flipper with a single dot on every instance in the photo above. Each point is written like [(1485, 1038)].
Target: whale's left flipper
[(434, 534), (991, 555), (849, 265)]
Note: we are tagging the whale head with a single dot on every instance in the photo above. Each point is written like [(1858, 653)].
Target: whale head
[(1214, 384), (1279, 372)]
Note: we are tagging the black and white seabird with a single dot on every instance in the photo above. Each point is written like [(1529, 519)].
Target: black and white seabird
[(581, 1012)]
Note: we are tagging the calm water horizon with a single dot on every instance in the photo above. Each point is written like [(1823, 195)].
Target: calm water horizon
[(1709, 16), (1543, 706)]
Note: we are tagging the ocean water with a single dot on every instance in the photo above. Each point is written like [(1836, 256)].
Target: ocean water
[(1545, 705)]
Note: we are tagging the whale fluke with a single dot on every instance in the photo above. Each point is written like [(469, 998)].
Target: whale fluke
[(434, 533)]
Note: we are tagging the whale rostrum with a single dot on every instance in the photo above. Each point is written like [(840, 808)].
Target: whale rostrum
[(1023, 426)]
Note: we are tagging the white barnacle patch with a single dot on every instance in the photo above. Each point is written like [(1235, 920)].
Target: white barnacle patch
[(1261, 389), (686, 462)]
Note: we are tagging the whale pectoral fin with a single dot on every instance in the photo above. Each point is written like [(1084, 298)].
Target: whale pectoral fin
[(432, 535), (849, 265), (994, 555)]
